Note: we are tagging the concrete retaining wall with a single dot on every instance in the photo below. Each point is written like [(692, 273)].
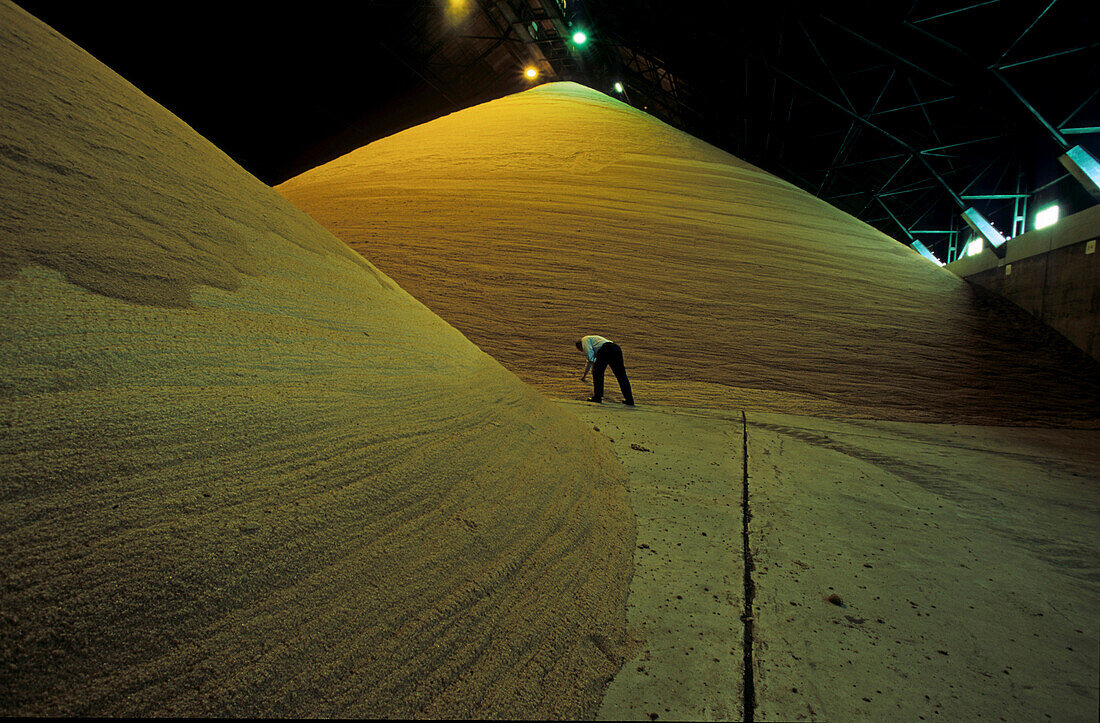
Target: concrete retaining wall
[(1054, 273)]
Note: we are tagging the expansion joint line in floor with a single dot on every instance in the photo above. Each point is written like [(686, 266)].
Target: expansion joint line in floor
[(749, 686)]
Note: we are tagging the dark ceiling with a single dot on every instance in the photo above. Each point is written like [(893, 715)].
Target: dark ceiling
[(901, 113)]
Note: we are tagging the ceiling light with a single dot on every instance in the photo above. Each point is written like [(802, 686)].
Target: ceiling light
[(531, 73), (618, 87), (1047, 217), (580, 38), (457, 10)]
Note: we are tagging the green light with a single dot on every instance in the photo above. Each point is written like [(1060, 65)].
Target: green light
[(618, 87), (580, 38)]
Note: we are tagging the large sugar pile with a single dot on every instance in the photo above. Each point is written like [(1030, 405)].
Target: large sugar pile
[(244, 473), (531, 220)]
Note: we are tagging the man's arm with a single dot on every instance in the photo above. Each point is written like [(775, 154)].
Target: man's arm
[(587, 366)]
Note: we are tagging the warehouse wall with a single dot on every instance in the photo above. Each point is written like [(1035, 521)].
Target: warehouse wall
[(1054, 273)]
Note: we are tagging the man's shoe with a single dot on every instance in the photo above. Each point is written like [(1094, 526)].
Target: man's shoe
[(629, 404), (594, 399)]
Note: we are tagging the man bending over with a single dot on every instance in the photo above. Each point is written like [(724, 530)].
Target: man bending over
[(602, 353)]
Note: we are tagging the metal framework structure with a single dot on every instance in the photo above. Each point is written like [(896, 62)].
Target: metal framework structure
[(903, 116)]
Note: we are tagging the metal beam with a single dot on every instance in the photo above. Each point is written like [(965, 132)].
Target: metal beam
[(646, 73), (423, 77), (1080, 131), (975, 220), (953, 12), (873, 160), (925, 252), (904, 61), (498, 42), (911, 106), (636, 75), (936, 38), (963, 143), (1077, 110), (1019, 206), (1084, 168), (1004, 81), (1045, 186), (901, 225), (837, 157), (927, 118), (1048, 56), (845, 148), (845, 195), (907, 189), (924, 161), (861, 71), (520, 28), (1028, 30), (553, 12), (825, 64), (894, 175), (980, 174), (1031, 109)]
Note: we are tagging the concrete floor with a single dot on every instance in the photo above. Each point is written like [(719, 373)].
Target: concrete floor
[(900, 571)]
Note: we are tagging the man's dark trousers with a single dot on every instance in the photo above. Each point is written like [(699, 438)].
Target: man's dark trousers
[(610, 355)]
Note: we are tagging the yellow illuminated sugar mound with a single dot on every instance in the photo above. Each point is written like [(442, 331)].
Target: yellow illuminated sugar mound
[(534, 219), (244, 473)]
